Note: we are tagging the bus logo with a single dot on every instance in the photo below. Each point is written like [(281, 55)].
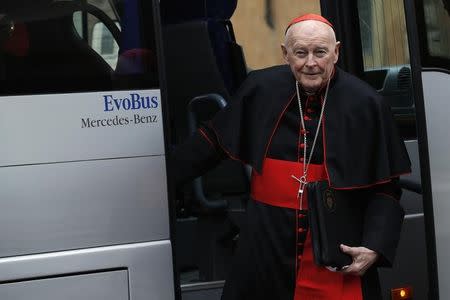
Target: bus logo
[(133, 102)]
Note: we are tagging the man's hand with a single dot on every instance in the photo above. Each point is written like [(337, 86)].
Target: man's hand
[(363, 258)]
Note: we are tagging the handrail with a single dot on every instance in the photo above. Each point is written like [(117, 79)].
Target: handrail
[(217, 99), (410, 185), (192, 118)]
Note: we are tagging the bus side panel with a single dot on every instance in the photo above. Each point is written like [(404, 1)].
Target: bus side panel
[(54, 207), (436, 90), (138, 271), (38, 129), (112, 285)]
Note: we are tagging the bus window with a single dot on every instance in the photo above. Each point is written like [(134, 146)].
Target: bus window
[(386, 58), (104, 44), (434, 19), (77, 46), (101, 39)]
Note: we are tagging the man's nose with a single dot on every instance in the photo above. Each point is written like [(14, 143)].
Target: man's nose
[(310, 60)]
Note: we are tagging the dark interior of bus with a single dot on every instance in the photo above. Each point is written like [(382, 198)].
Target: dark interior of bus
[(211, 209)]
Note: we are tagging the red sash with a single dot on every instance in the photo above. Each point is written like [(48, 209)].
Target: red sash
[(277, 187)]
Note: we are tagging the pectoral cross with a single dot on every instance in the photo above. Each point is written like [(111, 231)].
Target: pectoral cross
[(301, 188)]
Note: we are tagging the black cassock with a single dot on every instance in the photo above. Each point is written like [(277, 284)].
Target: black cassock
[(359, 146)]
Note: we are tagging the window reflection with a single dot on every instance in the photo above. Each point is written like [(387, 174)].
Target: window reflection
[(50, 46), (437, 21)]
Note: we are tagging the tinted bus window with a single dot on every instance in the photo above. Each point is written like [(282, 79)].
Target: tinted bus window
[(433, 17), (386, 58), (70, 46)]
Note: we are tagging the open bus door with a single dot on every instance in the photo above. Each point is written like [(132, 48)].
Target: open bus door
[(84, 210), (429, 35)]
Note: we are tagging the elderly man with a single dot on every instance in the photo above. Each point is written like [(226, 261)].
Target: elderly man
[(294, 124)]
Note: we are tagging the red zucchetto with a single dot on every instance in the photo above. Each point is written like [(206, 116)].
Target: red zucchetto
[(308, 17)]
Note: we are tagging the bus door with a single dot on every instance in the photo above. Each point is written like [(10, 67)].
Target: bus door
[(429, 36), (84, 208)]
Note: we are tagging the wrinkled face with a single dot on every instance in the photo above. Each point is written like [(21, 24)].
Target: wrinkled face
[(311, 51)]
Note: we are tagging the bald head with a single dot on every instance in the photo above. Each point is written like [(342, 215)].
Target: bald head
[(310, 27), (311, 50)]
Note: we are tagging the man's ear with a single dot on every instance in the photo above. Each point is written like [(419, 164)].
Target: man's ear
[(336, 51), (284, 52)]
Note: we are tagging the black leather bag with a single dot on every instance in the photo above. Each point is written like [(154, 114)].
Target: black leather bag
[(335, 217)]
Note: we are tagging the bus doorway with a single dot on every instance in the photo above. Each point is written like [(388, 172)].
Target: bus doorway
[(376, 46), (211, 210)]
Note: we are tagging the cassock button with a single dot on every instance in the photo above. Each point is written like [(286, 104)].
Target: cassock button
[(309, 110), (301, 159), (299, 257), (301, 230), (303, 131), (301, 146), (306, 118)]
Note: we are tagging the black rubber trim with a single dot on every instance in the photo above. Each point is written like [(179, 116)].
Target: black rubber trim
[(167, 137)]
